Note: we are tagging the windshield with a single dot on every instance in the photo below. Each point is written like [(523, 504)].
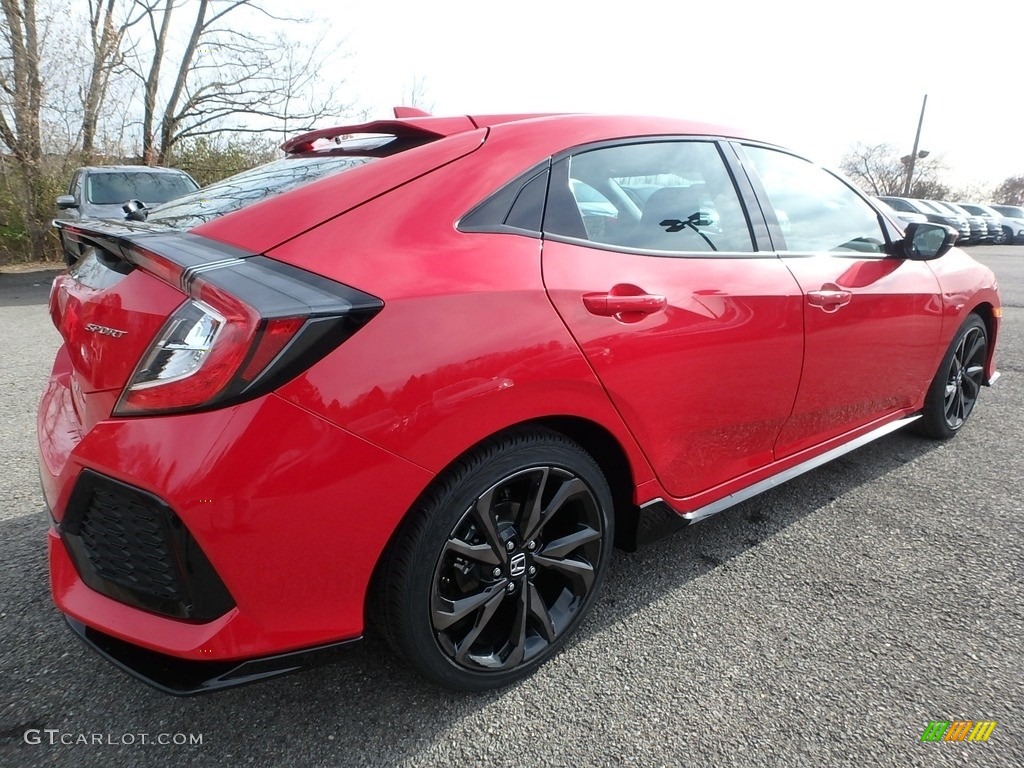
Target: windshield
[(933, 207), (898, 205), (1013, 211), (114, 188), (274, 178)]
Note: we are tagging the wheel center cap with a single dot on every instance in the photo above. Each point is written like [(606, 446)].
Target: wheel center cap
[(517, 564)]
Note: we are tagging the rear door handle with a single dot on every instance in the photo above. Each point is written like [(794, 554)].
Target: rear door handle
[(829, 298), (611, 304)]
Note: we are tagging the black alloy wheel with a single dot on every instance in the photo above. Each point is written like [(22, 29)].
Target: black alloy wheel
[(516, 569), (491, 575), (964, 377), (955, 389)]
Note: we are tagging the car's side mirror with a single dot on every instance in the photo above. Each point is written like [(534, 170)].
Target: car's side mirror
[(923, 241), (66, 201)]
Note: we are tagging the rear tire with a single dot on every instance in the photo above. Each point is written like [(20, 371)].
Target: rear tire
[(957, 384), (499, 562)]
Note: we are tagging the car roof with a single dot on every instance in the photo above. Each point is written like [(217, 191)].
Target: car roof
[(431, 126)]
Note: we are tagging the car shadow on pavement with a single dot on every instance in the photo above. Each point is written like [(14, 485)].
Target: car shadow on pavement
[(368, 708)]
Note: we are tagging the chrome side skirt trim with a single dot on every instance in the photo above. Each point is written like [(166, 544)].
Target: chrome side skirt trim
[(787, 474), (993, 379)]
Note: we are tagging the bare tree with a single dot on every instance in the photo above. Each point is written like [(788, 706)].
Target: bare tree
[(1011, 191), (417, 94), (879, 170), (973, 192), (225, 77), (930, 189), (108, 24), (21, 97), (206, 70)]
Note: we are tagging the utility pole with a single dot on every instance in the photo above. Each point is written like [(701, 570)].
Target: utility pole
[(913, 155)]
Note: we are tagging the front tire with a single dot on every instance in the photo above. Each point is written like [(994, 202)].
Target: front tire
[(499, 563), (957, 384)]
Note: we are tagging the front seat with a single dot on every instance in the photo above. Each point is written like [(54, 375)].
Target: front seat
[(669, 221)]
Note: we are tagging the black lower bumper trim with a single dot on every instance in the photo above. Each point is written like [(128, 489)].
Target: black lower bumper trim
[(184, 677)]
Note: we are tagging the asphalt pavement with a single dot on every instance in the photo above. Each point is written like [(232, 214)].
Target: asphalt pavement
[(824, 623)]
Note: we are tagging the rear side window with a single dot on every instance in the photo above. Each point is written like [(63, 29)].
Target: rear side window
[(272, 179), (516, 208), (668, 196)]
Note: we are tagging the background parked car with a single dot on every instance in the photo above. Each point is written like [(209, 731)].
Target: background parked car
[(1013, 221), (98, 192), (934, 215), (993, 220), (980, 232), (976, 227), (903, 217)]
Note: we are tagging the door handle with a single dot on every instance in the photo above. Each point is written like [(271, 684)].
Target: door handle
[(611, 304), (829, 298)]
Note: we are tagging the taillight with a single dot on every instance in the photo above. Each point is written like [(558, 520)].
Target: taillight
[(194, 358), (218, 348)]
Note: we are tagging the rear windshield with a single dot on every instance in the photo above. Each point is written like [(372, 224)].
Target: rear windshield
[(274, 178), (114, 188)]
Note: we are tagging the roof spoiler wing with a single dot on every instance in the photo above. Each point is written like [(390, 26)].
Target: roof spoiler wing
[(406, 126), (408, 123)]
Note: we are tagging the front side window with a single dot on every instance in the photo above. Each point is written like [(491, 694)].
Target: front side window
[(816, 211), (669, 196)]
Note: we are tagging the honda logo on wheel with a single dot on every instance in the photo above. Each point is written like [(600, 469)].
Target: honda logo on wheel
[(517, 565)]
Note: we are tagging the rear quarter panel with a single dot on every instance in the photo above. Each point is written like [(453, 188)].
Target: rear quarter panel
[(467, 344)]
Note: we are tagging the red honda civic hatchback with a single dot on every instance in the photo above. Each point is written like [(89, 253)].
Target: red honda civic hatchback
[(426, 372)]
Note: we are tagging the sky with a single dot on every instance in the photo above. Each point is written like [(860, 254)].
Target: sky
[(816, 77)]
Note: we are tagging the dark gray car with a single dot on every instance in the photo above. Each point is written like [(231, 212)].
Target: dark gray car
[(98, 192)]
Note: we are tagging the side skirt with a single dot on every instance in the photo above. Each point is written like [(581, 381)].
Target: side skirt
[(658, 518)]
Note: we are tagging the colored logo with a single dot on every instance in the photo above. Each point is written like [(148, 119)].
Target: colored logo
[(958, 730)]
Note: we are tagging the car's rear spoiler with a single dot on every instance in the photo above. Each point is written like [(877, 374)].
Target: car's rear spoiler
[(409, 123)]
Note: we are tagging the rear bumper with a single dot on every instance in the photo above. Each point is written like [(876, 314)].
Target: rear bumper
[(181, 677), (290, 511)]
